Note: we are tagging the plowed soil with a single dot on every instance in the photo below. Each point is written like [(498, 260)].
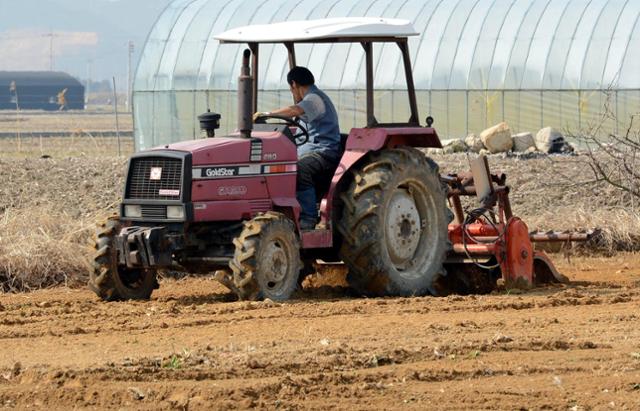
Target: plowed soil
[(569, 347)]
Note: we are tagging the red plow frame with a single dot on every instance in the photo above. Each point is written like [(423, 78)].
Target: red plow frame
[(492, 235)]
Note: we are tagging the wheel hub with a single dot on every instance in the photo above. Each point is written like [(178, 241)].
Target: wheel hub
[(402, 228), (278, 268)]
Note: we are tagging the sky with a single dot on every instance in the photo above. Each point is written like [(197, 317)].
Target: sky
[(85, 38)]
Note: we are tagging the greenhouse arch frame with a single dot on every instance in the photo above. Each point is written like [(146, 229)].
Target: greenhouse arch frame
[(532, 63)]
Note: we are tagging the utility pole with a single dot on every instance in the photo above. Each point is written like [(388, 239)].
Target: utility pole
[(50, 35), (89, 75), (51, 51), (13, 89), (130, 76), (115, 111)]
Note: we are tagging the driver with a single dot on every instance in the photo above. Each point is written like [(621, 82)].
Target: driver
[(318, 158)]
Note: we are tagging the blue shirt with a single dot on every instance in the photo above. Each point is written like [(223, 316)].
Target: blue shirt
[(322, 123)]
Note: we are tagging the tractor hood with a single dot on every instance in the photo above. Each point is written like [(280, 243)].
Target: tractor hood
[(262, 147)]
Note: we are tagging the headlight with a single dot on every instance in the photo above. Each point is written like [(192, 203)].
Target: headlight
[(175, 212), (133, 211)]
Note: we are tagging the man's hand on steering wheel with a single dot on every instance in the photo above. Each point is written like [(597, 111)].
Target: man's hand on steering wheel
[(259, 115), (299, 139)]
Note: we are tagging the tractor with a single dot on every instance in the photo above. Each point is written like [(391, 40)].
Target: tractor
[(227, 205)]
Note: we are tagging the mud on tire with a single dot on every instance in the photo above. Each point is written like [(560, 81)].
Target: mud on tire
[(266, 262), (111, 282), (394, 225)]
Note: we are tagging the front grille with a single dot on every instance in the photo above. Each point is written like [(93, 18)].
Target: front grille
[(154, 212), (142, 187)]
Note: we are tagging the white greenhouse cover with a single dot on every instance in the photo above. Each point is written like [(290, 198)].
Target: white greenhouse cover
[(320, 29), (531, 63)]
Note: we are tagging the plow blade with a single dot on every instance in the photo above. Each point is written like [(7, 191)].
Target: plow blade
[(544, 272)]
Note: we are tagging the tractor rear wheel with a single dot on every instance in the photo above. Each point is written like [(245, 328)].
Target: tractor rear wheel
[(394, 225), (112, 282), (266, 263)]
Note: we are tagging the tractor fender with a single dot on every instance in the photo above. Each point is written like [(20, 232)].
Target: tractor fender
[(287, 206), (362, 141), (349, 159), (374, 139)]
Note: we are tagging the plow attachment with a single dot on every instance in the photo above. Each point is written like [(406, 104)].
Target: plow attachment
[(494, 241)]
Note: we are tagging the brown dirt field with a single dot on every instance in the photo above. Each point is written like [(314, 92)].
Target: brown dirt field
[(564, 347)]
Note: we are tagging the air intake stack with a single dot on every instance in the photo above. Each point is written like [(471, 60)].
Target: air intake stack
[(245, 97), (209, 123)]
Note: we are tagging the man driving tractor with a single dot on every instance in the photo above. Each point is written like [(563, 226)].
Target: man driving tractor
[(319, 157)]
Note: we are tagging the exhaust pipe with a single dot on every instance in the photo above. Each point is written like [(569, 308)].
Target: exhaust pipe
[(245, 97)]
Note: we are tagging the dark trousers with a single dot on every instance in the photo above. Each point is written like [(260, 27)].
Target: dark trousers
[(315, 172)]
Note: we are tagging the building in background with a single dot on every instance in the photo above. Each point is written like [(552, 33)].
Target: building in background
[(40, 90), (532, 63)]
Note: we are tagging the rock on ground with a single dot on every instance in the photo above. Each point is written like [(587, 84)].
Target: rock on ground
[(523, 142), (497, 139), (474, 143), (455, 146), (549, 140)]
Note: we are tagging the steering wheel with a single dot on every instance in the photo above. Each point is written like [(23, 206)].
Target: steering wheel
[(300, 138)]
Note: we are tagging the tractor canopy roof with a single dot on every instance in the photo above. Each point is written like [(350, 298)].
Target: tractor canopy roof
[(334, 30), (363, 30)]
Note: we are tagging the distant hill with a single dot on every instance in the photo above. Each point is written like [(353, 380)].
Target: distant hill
[(89, 36)]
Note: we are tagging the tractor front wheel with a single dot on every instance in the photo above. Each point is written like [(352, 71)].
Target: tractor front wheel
[(266, 263), (394, 225), (112, 282)]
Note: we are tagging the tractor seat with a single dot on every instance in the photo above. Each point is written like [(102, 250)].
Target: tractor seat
[(322, 189)]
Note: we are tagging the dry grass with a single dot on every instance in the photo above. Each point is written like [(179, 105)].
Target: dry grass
[(64, 147), (72, 122), (80, 129), (48, 213), (41, 248), (54, 190), (618, 229)]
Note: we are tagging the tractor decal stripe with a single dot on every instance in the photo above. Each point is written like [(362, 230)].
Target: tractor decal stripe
[(280, 168), (251, 170), (256, 150)]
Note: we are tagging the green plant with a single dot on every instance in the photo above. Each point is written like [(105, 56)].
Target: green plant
[(174, 363)]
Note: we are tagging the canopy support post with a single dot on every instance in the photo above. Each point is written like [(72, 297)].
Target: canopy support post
[(292, 54), (411, 88), (255, 49), (371, 118)]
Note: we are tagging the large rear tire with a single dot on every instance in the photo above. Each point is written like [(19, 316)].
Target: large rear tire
[(112, 282), (394, 225), (266, 263)]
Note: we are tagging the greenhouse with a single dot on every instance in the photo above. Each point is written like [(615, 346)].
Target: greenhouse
[(532, 63)]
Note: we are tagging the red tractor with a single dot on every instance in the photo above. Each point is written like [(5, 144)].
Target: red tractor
[(228, 204)]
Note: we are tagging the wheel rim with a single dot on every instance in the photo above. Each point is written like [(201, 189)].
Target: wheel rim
[(403, 228), (275, 273)]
